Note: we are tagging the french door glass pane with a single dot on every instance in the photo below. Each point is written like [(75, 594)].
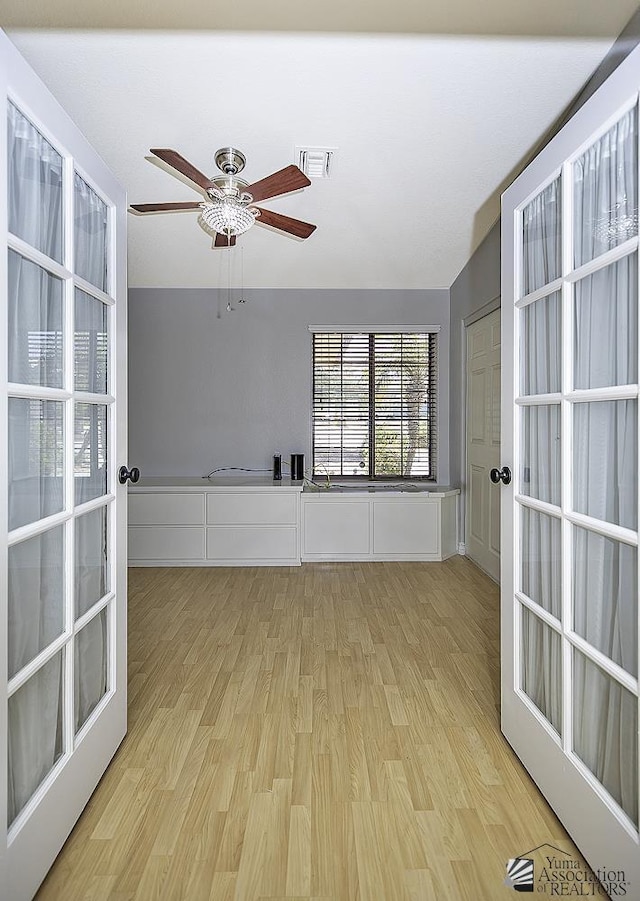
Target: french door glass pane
[(541, 576), (541, 346), (606, 191), (606, 326), (35, 324), (605, 461), (92, 572), (91, 233), (35, 733), (605, 732), (541, 452), (36, 596), (541, 667), (90, 344), (90, 451), (542, 239), (605, 596), (91, 671), (36, 467), (34, 187)]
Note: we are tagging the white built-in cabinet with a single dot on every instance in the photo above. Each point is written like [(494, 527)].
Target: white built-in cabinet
[(379, 525), (258, 522), (194, 522)]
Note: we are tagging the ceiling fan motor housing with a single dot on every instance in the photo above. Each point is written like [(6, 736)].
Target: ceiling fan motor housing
[(229, 160)]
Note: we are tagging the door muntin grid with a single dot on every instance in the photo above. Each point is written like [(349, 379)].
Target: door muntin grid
[(590, 300), (63, 367)]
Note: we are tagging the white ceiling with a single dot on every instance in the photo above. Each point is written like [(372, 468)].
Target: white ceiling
[(428, 129)]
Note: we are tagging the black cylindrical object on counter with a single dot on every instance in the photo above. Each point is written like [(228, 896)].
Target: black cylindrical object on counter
[(297, 467), (277, 467)]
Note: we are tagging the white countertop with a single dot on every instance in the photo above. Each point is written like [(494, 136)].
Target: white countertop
[(215, 483), (382, 488), (192, 484)]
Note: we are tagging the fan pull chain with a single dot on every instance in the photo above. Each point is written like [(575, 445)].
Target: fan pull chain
[(229, 307), (241, 300), (218, 292)]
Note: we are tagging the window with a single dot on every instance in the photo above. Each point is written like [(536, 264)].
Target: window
[(374, 404)]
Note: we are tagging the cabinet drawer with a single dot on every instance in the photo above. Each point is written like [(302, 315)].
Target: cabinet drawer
[(252, 509), (166, 509), (166, 543), (252, 543)]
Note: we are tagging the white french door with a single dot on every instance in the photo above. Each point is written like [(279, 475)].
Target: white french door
[(63, 519), (570, 435)]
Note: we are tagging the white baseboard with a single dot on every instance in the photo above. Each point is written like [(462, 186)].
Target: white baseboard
[(462, 548), (284, 561)]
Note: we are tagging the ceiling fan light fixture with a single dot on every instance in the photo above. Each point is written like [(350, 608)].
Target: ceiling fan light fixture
[(228, 215)]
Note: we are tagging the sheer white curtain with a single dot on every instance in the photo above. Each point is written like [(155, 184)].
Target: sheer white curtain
[(36, 458), (91, 235), (605, 464), (91, 671), (36, 596), (35, 490), (35, 324), (542, 245), (35, 733), (606, 191), (36, 584), (541, 355), (34, 186)]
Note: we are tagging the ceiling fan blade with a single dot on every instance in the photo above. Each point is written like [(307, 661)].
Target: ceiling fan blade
[(283, 182), (178, 162), (224, 240), (285, 223), (164, 207)]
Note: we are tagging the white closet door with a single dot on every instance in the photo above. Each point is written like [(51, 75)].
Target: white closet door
[(482, 527), (63, 518), (570, 515)]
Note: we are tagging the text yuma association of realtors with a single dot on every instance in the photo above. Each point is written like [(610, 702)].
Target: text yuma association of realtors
[(569, 878)]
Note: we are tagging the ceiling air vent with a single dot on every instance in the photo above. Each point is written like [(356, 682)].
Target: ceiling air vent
[(315, 162)]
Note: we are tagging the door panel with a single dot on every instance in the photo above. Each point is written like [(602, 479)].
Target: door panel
[(570, 434), (477, 514), (63, 366), (478, 406)]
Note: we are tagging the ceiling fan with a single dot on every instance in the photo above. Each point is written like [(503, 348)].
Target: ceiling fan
[(228, 209)]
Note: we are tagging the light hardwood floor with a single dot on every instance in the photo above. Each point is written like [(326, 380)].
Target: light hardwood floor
[(327, 732)]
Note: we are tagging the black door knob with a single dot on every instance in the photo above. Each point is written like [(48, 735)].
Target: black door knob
[(125, 475), (500, 475)]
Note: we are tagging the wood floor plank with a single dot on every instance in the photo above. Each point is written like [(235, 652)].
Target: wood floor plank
[(299, 851), (321, 733)]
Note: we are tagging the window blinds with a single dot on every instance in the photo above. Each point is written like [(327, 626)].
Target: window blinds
[(374, 404)]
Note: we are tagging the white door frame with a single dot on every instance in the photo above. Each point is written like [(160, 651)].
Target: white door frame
[(36, 840), (568, 787)]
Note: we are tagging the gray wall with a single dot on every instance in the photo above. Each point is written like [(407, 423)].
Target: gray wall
[(476, 286), (479, 282), (211, 388)]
